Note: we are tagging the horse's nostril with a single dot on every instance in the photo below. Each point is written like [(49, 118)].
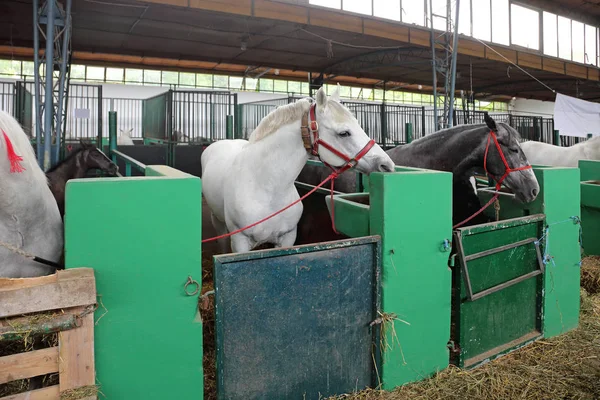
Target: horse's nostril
[(384, 168), (534, 192)]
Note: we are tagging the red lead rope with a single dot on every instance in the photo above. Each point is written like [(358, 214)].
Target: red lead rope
[(507, 170)]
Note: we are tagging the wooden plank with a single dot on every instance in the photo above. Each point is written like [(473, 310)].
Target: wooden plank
[(553, 65), (580, 71), (283, 12), (420, 37), (241, 7), (47, 393), (22, 283), (593, 74), (76, 349), (180, 3), (530, 60), (335, 20), (72, 288), (29, 364), (508, 53), (18, 328), (386, 30), (470, 47)]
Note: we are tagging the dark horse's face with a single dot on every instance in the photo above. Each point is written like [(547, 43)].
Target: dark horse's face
[(523, 183), (93, 158)]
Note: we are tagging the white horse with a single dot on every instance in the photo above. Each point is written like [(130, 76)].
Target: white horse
[(245, 181), (547, 154), (125, 137), (29, 216)]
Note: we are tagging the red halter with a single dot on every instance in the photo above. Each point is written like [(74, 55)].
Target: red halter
[(507, 169), (313, 127)]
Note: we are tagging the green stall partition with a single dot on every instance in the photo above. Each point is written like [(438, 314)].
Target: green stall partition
[(412, 212), (142, 237), (590, 206)]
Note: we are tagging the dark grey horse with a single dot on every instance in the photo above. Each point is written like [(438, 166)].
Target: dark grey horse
[(77, 165), (459, 150)]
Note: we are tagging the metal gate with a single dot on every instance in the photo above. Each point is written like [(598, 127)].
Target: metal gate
[(296, 322), (497, 289), (23, 107)]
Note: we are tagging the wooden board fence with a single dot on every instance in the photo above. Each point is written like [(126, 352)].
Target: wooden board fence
[(62, 303)]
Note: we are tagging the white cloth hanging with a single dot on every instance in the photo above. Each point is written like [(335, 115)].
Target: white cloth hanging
[(576, 117)]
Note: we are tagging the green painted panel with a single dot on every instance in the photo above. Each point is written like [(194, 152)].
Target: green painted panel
[(506, 318), (590, 217), (352, 213), (589, 170), (412, 211), (154, 116), (560, 200), (294, 323), (142, 237)]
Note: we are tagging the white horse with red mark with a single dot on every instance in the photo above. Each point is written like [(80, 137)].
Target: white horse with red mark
[(539, 153), (246, 181), (30, 223)]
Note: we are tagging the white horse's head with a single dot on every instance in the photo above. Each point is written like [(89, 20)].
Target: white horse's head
[(340, 129), (127, 132)]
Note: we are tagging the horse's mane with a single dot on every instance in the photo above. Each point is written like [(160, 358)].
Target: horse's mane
[(282, 115), (66, 159), (21, 146)]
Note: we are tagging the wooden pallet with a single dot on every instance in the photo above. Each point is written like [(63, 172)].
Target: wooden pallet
[(63, 303)]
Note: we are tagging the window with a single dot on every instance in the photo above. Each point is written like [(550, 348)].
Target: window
[(151, 76), (251, 83), (95, 74), (525, 27), (326, 3), (280, 86), (305, 88), (77, 71), (389, 9), (235, 83), (578, 41), (28, 68), (481, 20), (550, 34), (500, 22), (220, 81), (295, 87), (204, 80), (170, 78), (564, 38), (358, 6), (187, 79), (464, 18), (413, 12), (266, 85), (114, 74), (590, 46)]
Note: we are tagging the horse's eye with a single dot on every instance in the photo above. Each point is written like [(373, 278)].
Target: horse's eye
[(344, 134), (514, 149)]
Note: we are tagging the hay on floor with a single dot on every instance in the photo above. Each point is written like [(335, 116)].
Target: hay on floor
[(564, 367), (590, 274)]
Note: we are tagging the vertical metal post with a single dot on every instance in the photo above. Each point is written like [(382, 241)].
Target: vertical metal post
[(112, 134), (433, 68), (408, 128), (229, 127), (100, 114), (453, 68), (423, 129), (48, 106), (556, 138), (384, 130), (62, 80), (36, 74)]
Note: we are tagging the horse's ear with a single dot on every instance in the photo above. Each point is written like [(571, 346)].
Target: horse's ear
[(336, 93), (489, 121), (321, 97)]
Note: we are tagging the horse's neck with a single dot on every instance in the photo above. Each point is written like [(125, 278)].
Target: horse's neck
[(279, 157), (451, 151), (71, 169)]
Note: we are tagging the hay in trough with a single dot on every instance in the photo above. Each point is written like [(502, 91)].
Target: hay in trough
[(206, 305), (83, 392), (590, 274), (564, 367)]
